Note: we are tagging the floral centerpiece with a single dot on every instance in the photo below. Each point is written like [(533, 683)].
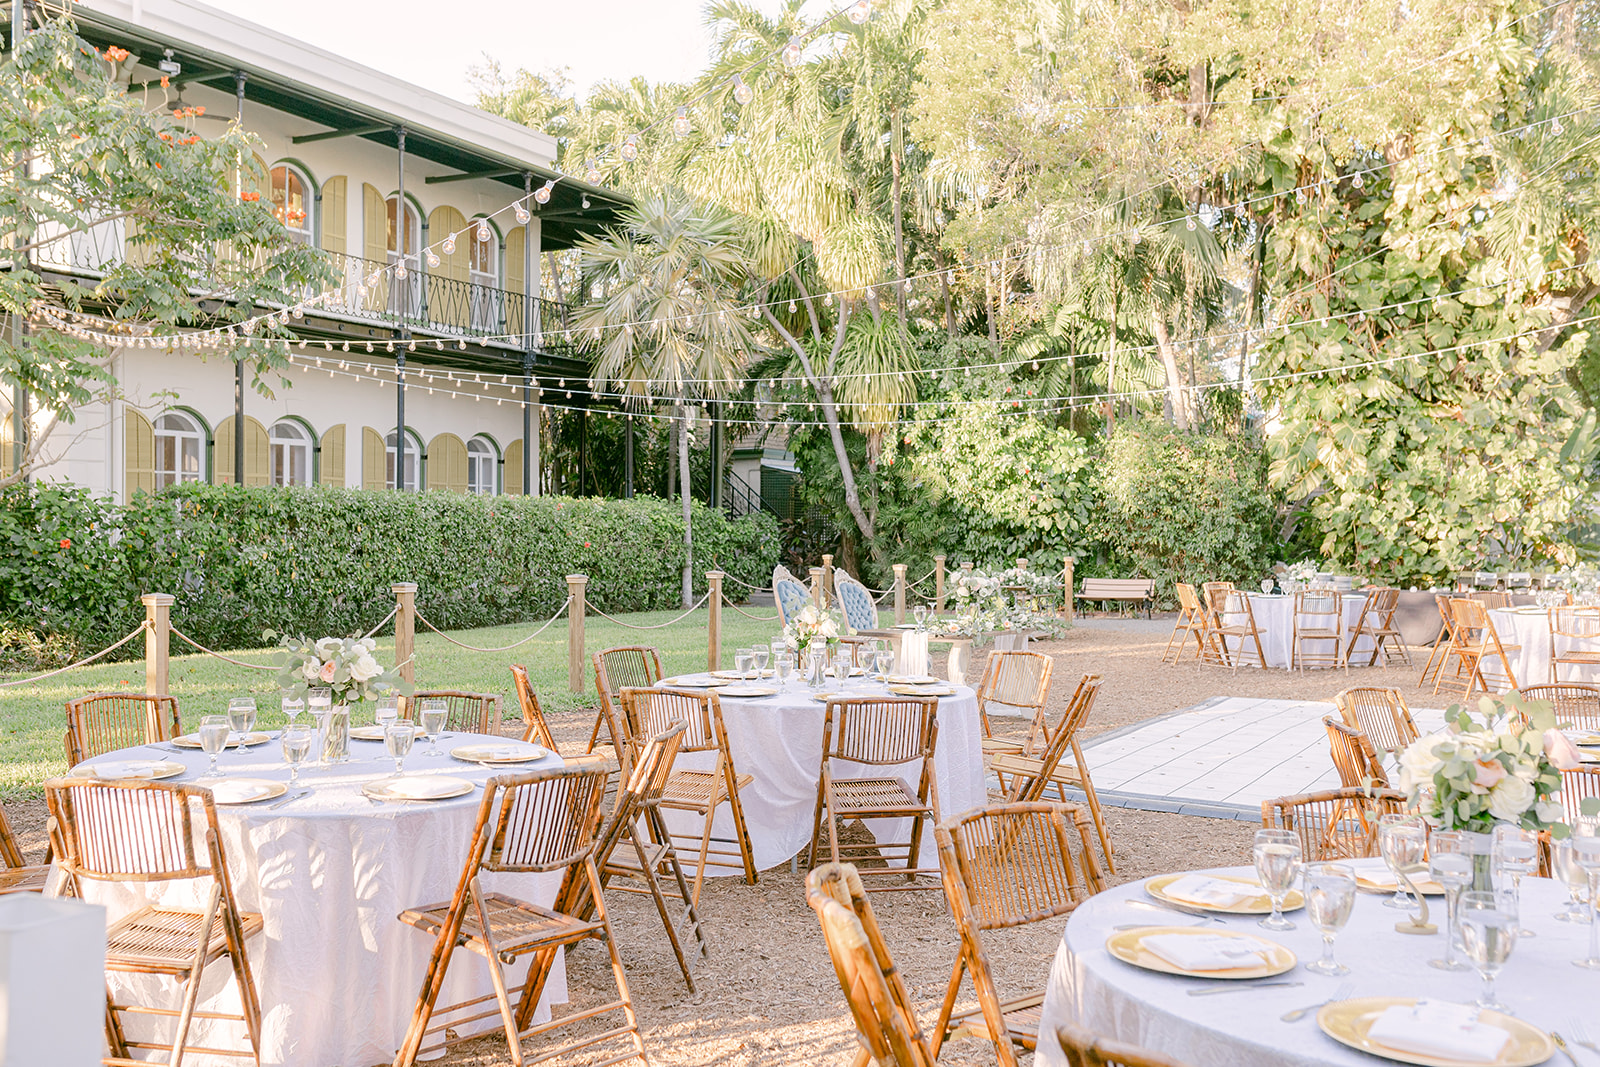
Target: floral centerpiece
[(1303, 572), (810, 624), (984, 603), (344, 665)]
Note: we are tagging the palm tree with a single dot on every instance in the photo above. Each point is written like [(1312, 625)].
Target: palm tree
[(669, 275)]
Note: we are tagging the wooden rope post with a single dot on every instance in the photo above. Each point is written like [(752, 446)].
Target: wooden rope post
[(899, 593), (1022, 564), (816, 587), (575, 587), (827, 578), (966, 568), (714, 628), (1066, 582), (158, 613), (405, 629), (938, 583)]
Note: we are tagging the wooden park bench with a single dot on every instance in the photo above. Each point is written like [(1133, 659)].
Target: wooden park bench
[(1137, 590)]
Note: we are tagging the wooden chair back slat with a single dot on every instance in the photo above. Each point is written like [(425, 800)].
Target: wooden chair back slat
[(468, 713), (534, 726), (1335, 824), (1577, 785), (1063, 739), (880, 731), (129, 831), (1379, 713), (1020, 862), (626, 667), (649, 712), (542, 820), (106, 722), (1085, 1049), (1017, 678), (1576, 704), (1353, 756)]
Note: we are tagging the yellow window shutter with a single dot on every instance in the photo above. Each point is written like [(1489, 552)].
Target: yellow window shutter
[(258, 178), (330, 464), (256, 453), (222, 453), (138, 453), (447, 464), (372, 459), (7, 438), (516, 241), (334, 227), (512, 472), (447, 293), (374, 225)]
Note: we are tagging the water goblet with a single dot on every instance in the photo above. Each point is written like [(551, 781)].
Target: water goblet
[(1277, 857), (779, 647), (296, 747), (1586, 850), (385, 711), (782, 666), (1515, 852), (214, 731), (884, 660), (920, 613), (1488, 932), (1402, 840), (758, 660), (1450, 865), (432, 715), (398, 737), (1571, 873), (1330, 897), (741, 663), (291, 705), (242, 715), (842, 664)]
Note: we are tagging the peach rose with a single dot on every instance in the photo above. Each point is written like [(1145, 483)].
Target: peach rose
[(326, 673), (1561, 750), (1486, 774)]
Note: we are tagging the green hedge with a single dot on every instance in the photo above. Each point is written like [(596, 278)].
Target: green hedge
[(318, 560)]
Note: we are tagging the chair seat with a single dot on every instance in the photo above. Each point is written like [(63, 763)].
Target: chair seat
[(1030, 767), (163, 940), (24, 879), (1490, 650), (698, 790), (877, 796), (995, 745), (1022, 1017), (516, 926), (1577, 656), (1321, 633), (1234, 631), (625, 861)]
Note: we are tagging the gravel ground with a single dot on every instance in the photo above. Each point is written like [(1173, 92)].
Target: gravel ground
[(767, 993)]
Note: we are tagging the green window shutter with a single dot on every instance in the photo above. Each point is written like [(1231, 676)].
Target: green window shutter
[(372, 459), (139, 453), (334, 226), (330, 465), (512, 471)]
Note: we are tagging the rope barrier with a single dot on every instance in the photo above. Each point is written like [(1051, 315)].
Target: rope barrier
[(227, 659), (736, 581), (392, 613), (474, 648), (746, 614), (659, 625), (142, 627)]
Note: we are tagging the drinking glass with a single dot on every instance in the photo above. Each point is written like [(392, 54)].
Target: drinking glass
[(920, 613), (318, 701), (1571, 873), (432, 715), (1402, 840), (1277, 857), (1586, 849), (843, 661), (213, 739), (819, 663), (242, 715), (296, 746), (1330, 897), (291, 705), (741, 663), (781, 668), (884, 660), (780, 647), (386, 711), (398, 737), (1488, 932), (1515, 852), (1449, 864), (758, 657)]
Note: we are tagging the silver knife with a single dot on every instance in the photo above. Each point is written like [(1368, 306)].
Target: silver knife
[(1169, 906), (1238, 988), (291, 796)]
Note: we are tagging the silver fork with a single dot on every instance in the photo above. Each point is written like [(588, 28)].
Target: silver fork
[(1341, 993), (1579, 1034)]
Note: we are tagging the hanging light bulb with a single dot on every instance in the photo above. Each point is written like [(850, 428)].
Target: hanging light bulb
[(450, 245), (483, 230), (520, 212), (860, 11), (681, 126), (542, 194), (793, 52), (793, 307), (593, 175), (1506, 189), (630, 148), (1556, 127), (1191, 223), (1359, 180), (400, 270), (742, 93), (433, 259)]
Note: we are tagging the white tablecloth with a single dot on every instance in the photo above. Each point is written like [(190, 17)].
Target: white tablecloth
[(1274, 614), (1530, 628), (778, 741), (1245, 1029), (338, 973)]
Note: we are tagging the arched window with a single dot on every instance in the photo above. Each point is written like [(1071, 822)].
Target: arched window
[(483, 263), (180, 449), (291, 202), (481, 467), (413, 462), (405, 241), (290, 461)]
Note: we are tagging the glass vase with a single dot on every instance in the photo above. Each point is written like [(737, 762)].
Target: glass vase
[(1481, 848), (333, 734)]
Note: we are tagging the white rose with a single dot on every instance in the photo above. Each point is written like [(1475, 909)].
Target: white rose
[(1418, 761), (368, 643), (364, 668), (1548, 811), (1510, 797), (311, 671), (329, 647)]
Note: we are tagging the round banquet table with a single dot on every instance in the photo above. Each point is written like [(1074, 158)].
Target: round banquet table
[(778, 741), (1274, 613), (1244, 1029), (330, 872), (1529, 627)]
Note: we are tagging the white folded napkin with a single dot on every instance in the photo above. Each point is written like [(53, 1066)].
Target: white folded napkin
[(238, 791), (1206, 952), (1210, 892), (115, 770), (1439, 1028), (421, 786)]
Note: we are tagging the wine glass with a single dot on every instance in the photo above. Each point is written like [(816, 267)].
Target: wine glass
[(1488, 932), (920, 613), (1449, 864), (884, 660), (741, 663), (291, 705), (1277, 858), (782, 665), (1586, 850), (1571, 873), (242, 716), (385, 711), (398, 737), (1515, 852), (758, 657), (1330, 897), (433, 714), (1402, 840), (843, 661), (213, 739), (296, 746)]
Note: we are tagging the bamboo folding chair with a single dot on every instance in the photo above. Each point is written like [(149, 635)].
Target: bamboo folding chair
[(1475, 640), (16, 876), (1491, 598), (467, 713), (880, 1004), (534, 726), (1213, 598), (142, 832), (651, 712), (1441, 643), (1032, 776), (1015, 679), (1576, 704), (649, 853), (535, 822), (878, 732), (616, 669), (1377, 622), (1191, 623), (1379, 713), (106, 722), (1318, 618), (1578, 630), (1336, 824), (1004, 866), (1577, 785), (1085, 1049), (1235, 602), (1354, 757)]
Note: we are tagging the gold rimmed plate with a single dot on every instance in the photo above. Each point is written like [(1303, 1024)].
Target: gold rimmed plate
[(824, 697), (375, 733), (1128, 946), (1256, 904), (1377, 878), (911, 679), (1348, 1022), (749, 691), (735, 676), (695, 682), (922, 690), (234, 740), (129, 770), (418, 787), (245, 790), (500, 752)]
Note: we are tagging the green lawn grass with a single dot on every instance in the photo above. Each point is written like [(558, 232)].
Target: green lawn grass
[(32, 720)]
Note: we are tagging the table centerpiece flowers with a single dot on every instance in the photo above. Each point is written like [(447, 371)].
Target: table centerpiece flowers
[(346, 666), (810, 624)]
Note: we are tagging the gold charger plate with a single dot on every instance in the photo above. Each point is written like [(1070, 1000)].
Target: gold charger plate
[(911, 679), (396, 788), (735, 676), (255, 737), (694, 683), (823, 698), (922, 691), (153, 770), (503, 752), (1260, 904), (246, 790), (749, 691), (1347, 1022), (1128, 946), (375, 733)]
